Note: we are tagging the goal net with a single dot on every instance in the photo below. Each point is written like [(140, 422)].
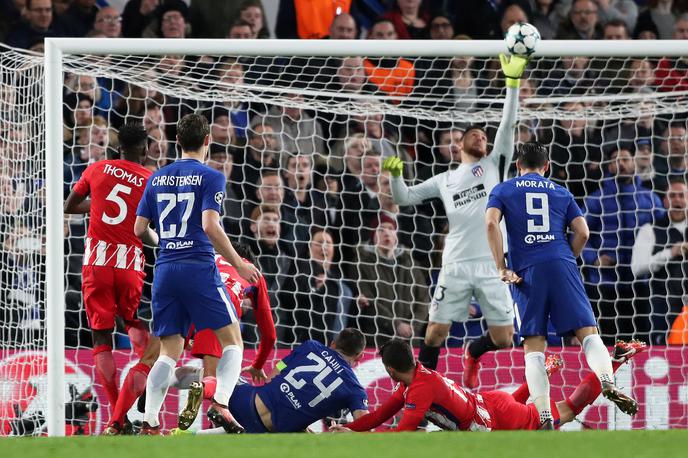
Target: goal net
[(301, 140)]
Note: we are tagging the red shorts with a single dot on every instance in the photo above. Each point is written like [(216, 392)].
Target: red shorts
[(205, 343), (110, 292), (509, 414)]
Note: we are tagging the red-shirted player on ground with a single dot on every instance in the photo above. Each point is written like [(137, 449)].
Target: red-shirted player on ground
[(200, 381), (425, 394), (206, 346), (113, 256)]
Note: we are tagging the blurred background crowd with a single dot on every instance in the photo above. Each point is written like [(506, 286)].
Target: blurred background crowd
[(305, 189)]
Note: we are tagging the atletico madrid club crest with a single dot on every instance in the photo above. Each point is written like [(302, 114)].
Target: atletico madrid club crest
[(477, 171)]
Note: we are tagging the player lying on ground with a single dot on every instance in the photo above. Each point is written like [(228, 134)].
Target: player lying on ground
[(467, 268), (207, 347), (310, 383), (184, 200), (425, 394), (113, 257), (547, 284)]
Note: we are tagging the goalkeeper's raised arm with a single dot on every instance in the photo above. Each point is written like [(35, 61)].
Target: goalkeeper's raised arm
[(467, 265)]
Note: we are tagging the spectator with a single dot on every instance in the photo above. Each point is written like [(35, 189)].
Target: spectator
[(108, 22), (582, 23), (252, 12), (660, 254), (575, 160), (221, 127), (136, 17), (273, 255), (221, 160), (640, 77), (299, 132), (479, 19), (409, 18), (615, 29), (80, 17), (672, 73), (302, 201), (643, 162), (40, 24), (230, 73), (312, 298), (170, 21), (261, 153), (659, 17), (618, 10), (441, 27), (673, 151), (391, 300), (545, 17), (614, 213), (392, 76), (571, 76), (158, 151), (240, 30), (513, 14), (314, 19), (209, 18), (343, 27), (447, 152)]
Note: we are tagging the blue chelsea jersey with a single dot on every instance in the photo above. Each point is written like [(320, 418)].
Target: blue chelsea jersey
[(537, 213), (174, 200), (315, 382)]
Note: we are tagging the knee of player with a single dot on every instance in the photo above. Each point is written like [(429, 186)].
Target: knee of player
[(436, 334), (504, 341)]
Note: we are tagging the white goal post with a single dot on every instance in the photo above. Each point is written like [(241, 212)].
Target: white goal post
[(57, 48)]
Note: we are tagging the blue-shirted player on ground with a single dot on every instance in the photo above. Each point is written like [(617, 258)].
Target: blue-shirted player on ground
[(309, 384), (184, 200), (545, 278)]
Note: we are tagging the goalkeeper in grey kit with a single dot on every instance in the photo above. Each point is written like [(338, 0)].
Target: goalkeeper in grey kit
[(467, 266)]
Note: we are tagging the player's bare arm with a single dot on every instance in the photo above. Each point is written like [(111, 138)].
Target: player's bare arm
[(213, 229), (77, 204), (494, 237), (143, 231), (581, 234)]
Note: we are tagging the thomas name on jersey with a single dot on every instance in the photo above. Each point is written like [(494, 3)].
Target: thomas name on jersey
[(122, 174), (173, 180)]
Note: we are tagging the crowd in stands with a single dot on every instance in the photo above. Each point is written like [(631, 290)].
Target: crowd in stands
[(305, 189)]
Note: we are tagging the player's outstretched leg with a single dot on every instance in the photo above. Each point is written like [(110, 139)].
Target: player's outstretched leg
[(158, 382), (228, 370), (553, 364), (134, 386), (600, 362), (590, 388)]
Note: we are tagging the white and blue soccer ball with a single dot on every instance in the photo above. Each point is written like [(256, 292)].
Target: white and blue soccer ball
[(522, 39)]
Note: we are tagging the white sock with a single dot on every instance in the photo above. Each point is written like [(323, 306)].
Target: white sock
[(598, 358), (538, 383), (228, 370), (183, 377), (156, 388)]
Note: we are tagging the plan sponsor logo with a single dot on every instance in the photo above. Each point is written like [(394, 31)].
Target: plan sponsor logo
[(538, 238), (179, 245)]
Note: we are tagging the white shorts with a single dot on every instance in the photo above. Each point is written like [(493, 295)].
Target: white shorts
[(459, 282)]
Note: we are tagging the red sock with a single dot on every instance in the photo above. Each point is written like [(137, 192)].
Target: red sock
[(209, 384), (106, 371), (587, 391), (521, 394), (134, 385), (139, 336)]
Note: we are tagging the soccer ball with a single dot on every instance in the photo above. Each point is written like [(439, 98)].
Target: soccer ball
[(522, 39)]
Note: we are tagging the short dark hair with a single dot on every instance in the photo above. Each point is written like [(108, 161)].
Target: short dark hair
[(533, 155), (474, 127), (350, 342), (132, 138), (244, 251), (398, 355), (617, 23), (192, 130), (269, 173), (240, 23)]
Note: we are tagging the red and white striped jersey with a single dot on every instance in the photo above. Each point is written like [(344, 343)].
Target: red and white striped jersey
[(115, 187)]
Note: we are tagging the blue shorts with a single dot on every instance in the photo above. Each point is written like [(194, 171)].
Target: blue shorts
[(185, 293), (552, 290), (242, 405)]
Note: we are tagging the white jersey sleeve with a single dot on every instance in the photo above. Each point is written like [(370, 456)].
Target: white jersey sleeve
[(505, 138), (404, 196)]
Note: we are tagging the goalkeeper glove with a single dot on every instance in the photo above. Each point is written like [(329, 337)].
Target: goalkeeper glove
[(513, 68), (394, 165)]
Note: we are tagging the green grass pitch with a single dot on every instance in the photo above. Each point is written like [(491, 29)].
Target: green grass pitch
[(524, 444)]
